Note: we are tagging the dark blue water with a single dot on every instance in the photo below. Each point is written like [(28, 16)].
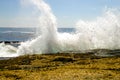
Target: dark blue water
[(16, 34), (23, 34)]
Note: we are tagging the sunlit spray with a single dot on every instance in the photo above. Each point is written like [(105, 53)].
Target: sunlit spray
[(47, 32), (101, 33)]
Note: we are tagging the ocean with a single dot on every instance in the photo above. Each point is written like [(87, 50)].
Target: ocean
[(101, 33), (23, 34)]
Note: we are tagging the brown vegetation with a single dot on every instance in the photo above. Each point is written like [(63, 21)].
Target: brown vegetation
[(60, 66)]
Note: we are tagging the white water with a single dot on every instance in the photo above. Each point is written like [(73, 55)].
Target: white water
[(100, 33), (7, 50)]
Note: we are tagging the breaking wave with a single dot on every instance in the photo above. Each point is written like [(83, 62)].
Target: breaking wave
[(101, 33)]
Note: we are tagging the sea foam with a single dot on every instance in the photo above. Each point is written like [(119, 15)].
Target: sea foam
[(101, 33)]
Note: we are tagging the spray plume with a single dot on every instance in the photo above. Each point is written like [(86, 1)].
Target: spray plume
[(102, 33), (47, 32)]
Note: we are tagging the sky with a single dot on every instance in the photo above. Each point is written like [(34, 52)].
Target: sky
[(18, 13)]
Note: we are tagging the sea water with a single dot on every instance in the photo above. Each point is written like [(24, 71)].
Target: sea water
[(101, 33), (24, 33)]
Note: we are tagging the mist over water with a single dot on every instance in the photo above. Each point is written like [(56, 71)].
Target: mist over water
[(101, 33), (104, 32), (47, 32)]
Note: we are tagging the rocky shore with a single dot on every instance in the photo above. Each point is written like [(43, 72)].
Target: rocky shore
[(62, 66)]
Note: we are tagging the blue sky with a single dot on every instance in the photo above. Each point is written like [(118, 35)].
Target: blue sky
[(16, 13)]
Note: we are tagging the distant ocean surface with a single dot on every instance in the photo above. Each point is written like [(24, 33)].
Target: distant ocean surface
[(23, 34)]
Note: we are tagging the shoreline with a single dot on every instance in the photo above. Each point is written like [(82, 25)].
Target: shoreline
[(93, 53), (64, 66)]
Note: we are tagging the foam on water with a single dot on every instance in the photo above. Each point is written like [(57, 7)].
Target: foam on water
[(102, 33), (7, 50)]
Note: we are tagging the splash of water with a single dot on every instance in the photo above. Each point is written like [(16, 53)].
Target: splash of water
[(7, 50), (102, 33), (46, 41)]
